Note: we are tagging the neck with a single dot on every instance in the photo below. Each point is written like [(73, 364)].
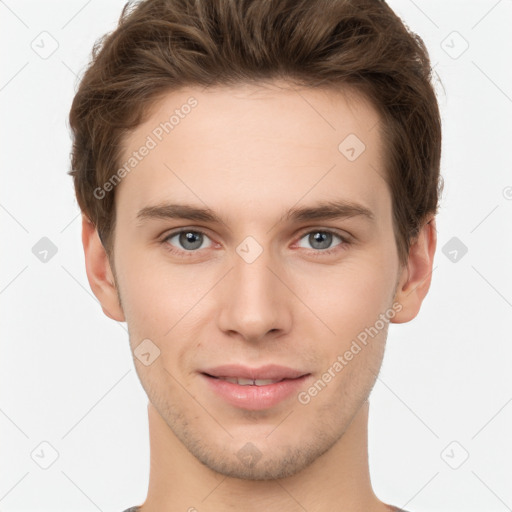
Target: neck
[(337, 480)]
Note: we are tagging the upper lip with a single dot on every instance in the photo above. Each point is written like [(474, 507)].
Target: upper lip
[(270, 371)]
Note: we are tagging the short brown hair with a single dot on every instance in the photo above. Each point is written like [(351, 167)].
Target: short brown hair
[(164, 45)]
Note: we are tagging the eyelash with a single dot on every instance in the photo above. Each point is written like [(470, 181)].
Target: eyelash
[(316, 253)]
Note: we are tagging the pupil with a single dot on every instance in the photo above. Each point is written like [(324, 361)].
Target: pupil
[(188, 238), (323, 238)]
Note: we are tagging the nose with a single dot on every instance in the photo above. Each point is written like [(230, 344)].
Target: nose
[(255, 300)]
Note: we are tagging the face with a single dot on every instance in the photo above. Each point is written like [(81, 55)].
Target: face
[(269, 277)]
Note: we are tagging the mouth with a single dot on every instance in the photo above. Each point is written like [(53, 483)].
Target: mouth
[(241, 381), (254, 389)]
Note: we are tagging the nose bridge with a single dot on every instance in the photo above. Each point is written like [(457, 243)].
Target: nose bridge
[(254, 301)]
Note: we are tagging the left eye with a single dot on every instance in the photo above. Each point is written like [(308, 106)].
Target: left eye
[(189, 240), (321, 240)]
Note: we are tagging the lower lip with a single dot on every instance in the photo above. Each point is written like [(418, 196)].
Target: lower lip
[(255, 398)]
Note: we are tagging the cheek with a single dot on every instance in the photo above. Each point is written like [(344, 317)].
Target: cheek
[(350, 297), (149, 302), (165, 304)]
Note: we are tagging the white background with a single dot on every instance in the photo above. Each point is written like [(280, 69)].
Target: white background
[(67, 376)]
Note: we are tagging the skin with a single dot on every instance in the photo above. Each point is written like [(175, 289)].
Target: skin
[(250, 153)]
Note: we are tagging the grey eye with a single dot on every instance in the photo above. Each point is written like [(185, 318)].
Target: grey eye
[(320, 240), (188, 240)]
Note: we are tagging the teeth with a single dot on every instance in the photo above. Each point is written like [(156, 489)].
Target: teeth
[(249, 382), (245, 382), (264, 382)]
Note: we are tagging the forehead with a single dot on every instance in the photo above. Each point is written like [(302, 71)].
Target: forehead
[(254, 145)]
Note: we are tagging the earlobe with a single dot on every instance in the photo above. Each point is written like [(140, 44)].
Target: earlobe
[(417, 274), (99, 273)]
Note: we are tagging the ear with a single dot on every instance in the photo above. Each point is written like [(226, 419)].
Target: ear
[(99, 273), (416, 276)]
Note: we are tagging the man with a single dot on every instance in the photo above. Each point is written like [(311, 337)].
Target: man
[(259, 182)]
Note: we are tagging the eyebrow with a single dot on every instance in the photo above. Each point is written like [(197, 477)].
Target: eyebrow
[(323, 210)]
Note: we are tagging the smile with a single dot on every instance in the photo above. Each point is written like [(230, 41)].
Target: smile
[(248, 382)]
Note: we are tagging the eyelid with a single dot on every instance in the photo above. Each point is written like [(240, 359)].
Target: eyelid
[(344, 235), (185, 229), (345, 242)]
